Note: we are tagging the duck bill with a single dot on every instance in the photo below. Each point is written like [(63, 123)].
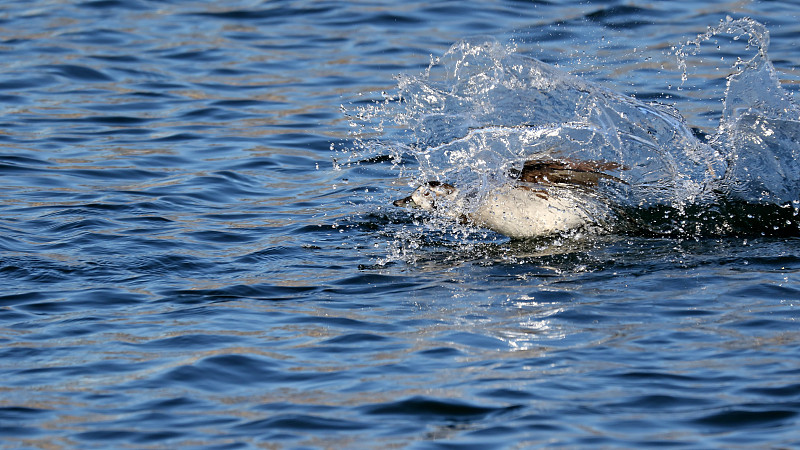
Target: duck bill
[(407, 202)]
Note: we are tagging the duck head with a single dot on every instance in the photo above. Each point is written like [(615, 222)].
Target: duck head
[(429, 196)]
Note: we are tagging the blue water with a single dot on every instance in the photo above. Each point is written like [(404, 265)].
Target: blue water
[(198, 247)]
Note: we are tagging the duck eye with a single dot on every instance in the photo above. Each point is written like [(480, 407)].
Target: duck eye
[(427, 193)]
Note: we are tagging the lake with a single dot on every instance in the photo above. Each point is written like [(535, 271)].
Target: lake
[(199, 247)]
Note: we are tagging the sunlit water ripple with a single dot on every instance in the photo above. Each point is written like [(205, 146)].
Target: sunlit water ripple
[(194, 255)]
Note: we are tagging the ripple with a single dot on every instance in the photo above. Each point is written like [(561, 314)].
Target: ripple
[(300, 422), (435, 409), (259, 292), (267, 14), (77, 73), (747, 418)]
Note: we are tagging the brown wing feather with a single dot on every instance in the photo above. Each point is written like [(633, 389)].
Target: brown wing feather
[(583, 173)]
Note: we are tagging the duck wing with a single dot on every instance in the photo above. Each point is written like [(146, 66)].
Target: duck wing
[(582, 173)]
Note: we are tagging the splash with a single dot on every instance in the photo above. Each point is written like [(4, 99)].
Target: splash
[(759, 131), (481, 110)]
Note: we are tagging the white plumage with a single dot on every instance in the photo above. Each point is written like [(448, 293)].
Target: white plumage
[(544, 198)]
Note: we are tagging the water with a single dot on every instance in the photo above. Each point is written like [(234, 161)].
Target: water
[(198, 245)]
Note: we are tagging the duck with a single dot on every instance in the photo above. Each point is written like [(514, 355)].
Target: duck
[(543, 198)]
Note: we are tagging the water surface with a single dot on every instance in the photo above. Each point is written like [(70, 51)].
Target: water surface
[(198, 246)]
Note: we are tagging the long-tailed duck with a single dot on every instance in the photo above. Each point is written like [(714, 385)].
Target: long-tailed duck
[(545, 197)]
